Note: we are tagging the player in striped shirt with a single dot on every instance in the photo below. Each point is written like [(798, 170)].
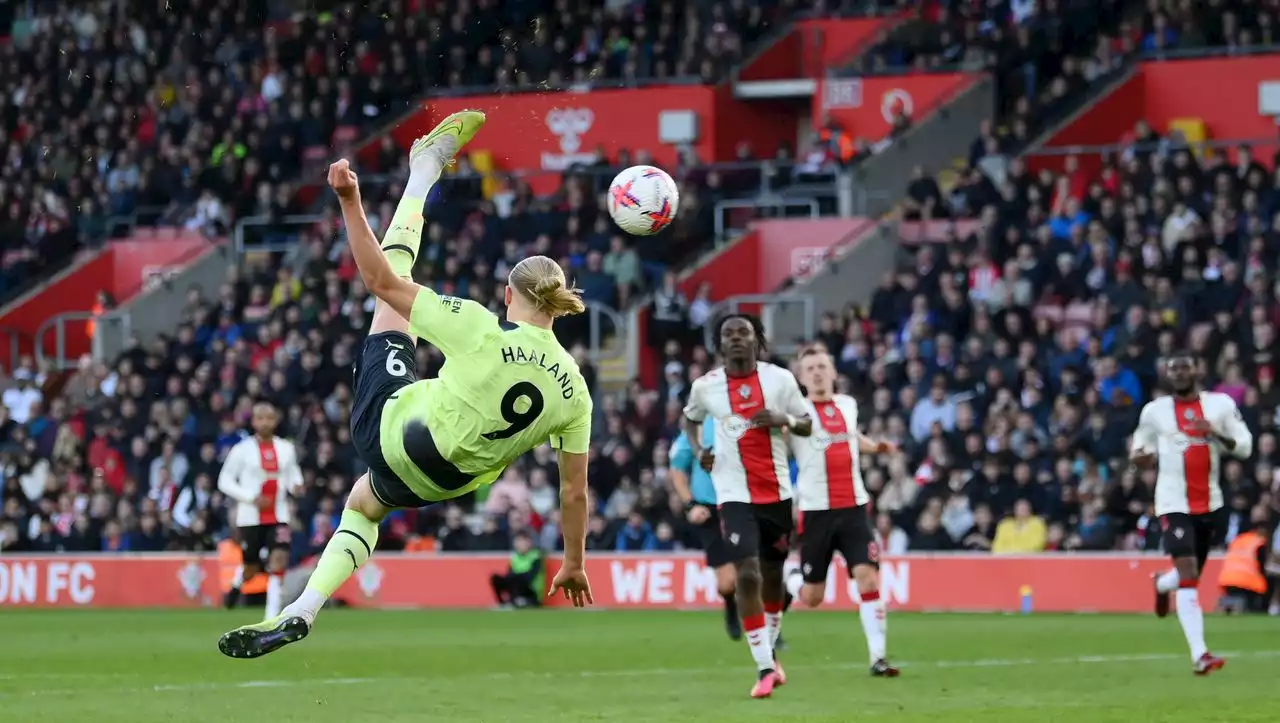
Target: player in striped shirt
[(258, 475), (834, 504), (752, 402), (1183, 435)]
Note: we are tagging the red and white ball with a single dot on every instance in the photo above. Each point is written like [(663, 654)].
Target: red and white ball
[(643, 200)]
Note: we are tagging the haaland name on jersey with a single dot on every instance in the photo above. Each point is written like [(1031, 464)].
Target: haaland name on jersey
[(517, 355)]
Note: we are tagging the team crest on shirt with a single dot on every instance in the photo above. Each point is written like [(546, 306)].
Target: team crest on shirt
[(744, 391), (268, 455), (829, 411), (1189, 414)]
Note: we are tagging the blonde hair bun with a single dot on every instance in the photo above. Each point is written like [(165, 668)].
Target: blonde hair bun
[(541, 281)]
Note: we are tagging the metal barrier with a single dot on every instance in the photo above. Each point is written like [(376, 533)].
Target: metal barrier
[(769, 304), (764, 202), (110, 337), (289, 242), (14, 338), (597, 333)]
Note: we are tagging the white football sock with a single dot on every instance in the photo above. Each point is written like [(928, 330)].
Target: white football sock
[(275, 591), (875, 626), (758, 639), (773, 621), (794, 582), (1192, 619), (307, 606), (1168, 581)]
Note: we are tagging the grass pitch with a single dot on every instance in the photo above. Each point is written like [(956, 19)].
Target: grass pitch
[(664, 667)]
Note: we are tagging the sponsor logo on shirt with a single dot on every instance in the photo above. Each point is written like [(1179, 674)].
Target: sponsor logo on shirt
[(735, 426)]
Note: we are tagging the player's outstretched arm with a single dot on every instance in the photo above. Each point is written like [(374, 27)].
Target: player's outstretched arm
[(867, 445), (574, 515), (381, 280)]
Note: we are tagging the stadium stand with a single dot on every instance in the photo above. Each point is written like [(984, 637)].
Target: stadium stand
[(1008, 355), (109, 120)]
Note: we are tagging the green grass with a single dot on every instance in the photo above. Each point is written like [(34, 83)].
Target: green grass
[(669, 667)]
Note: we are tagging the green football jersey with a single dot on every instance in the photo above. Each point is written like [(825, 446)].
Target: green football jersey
[(505, 388)]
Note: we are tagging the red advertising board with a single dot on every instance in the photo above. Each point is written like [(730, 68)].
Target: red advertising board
[(1162, 91), (552, 131), (1052, 582), (865, 107), (122, 269), (811, 46)]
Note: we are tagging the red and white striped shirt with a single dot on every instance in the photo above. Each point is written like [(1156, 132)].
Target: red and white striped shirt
[(1187, 480), (256, 469), (829, 477), (751, 462)]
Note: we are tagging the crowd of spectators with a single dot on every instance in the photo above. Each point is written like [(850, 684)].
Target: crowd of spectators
[(1035, 306), (1045, 56), (200, 115), (1008, 358)]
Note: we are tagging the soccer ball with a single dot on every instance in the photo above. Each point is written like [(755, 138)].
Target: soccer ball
[(643, 200)]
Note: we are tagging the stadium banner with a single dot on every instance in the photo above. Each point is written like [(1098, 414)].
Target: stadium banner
[(1157, 93), (865, 107), (1112, 583), (553, 131), (124, 268)]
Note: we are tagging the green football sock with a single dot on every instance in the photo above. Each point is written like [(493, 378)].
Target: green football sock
[(348, 549), (402, 239)]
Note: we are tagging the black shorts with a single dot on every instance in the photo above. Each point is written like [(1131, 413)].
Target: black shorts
[(712, 542), (386, 364), (1190, 535), (826, 532), (762, 531), (257, 541)]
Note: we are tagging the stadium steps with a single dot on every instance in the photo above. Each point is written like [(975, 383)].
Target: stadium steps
[(611, 371)]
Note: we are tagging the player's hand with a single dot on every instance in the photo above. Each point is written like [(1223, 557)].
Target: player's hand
[(264, 503), (1143, 460), (768, 418), (572, 579), (707, 460), (883, 447), (698, 514), (343, 180), (1200, 426)]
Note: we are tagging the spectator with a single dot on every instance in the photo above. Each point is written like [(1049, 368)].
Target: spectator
[(622, 263), (937, 409), (23, 399), (929, 536), (889, 538), (522, 584), (637, 535), (1024, 533)]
